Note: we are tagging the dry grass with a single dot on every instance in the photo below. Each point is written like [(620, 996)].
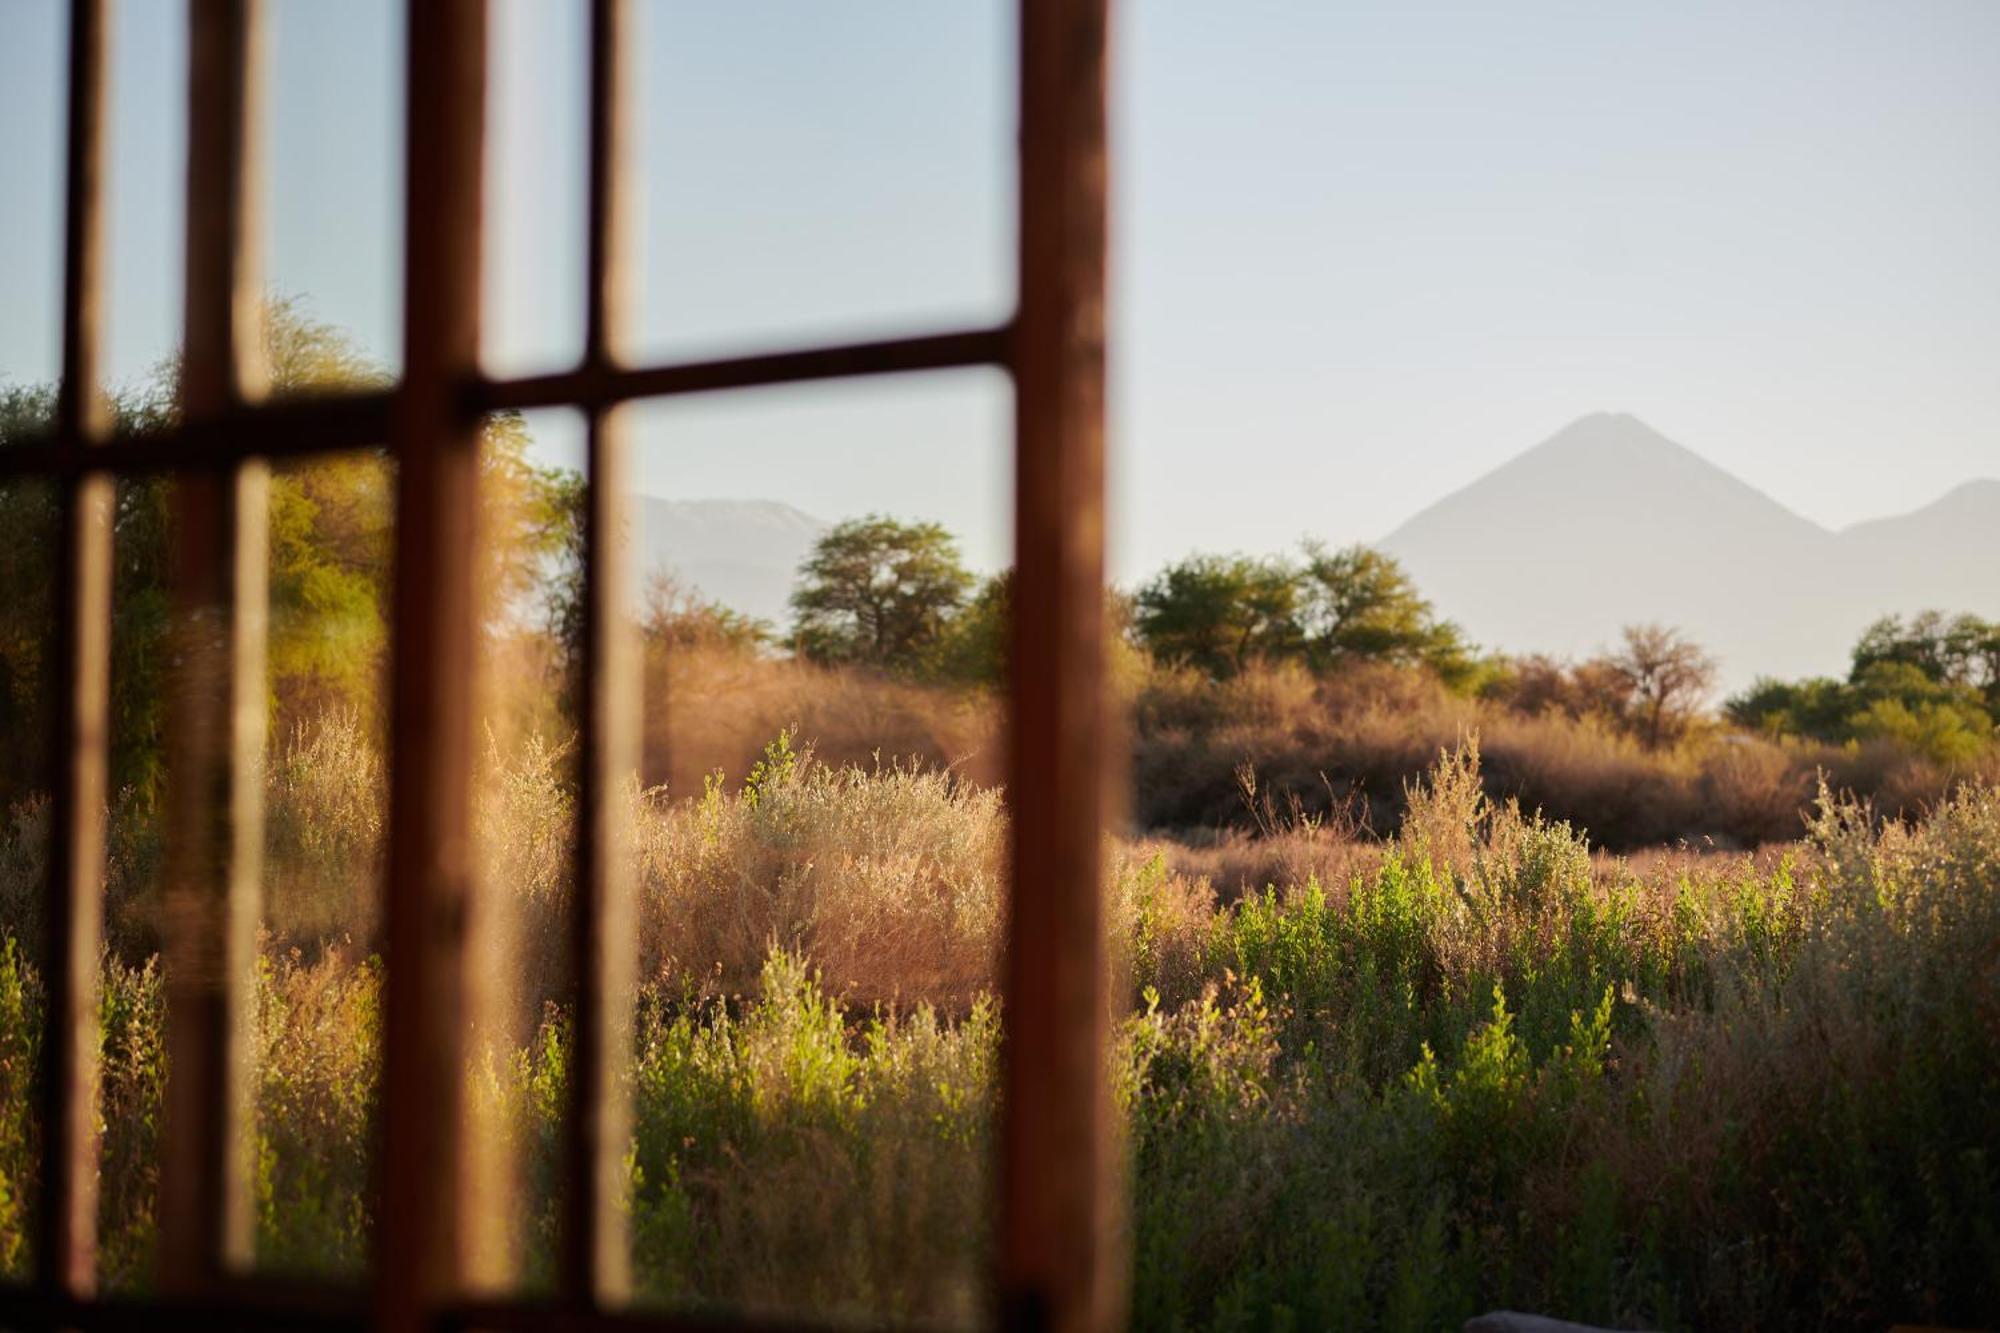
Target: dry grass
[(711, 709), (888, 877)]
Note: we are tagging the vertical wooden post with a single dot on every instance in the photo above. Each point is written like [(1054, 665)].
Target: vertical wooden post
[(66, 1221), (216, 690), (596, 1249), (1058, 1266), (426, 1187)]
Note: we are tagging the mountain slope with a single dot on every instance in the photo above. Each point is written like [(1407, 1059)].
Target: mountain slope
[(1949, 549), (742, 553), (1609, 522)]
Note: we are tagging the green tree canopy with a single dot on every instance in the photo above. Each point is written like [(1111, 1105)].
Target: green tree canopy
[(1218, 613), (1359, 603), (878, 592), (1961, 651), (1930, 683), (974, 650)]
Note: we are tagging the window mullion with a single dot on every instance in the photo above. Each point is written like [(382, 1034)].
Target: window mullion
[(595, 1246), (1057, 1267), (214, 827), (429, 1192), (66, 1224)]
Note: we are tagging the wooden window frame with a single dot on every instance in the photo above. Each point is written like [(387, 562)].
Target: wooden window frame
[(1056, 1264)]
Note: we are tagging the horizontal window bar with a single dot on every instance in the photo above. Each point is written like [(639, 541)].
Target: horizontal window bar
[(277, 429), (311, 1314), (597, 386), (291, 427)]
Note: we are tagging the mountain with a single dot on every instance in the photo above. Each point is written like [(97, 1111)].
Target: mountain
[(1609, 522), (742, 553)]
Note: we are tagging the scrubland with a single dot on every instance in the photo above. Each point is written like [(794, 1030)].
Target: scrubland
[(1369, 1081), (1335, 747), (1345, 746), (1445, 980)]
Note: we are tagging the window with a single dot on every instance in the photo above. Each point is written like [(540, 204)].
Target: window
[(1054, 1266)]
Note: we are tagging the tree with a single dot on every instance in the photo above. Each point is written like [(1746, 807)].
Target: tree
[(1669, 676), (1359, 603), (878, 592), (1218, 613), (1930, 684), (1538, 684), (330, 549), (974, 651), (1956, 651), (1814, 707), (677, 618)]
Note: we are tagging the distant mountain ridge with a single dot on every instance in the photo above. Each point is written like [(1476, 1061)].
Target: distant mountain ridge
[(742, 553), (1608, 522)]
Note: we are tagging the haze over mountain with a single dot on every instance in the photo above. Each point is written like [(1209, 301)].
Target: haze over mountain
[(1608, 522)]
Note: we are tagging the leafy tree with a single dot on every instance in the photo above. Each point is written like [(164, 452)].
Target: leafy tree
[(331, 542), (975, 644), (332, 534), (1218, 613), (1669, 677), (27, 572), (1956, 651), (878, 592), (1818, 708), (1359, 603), (1930, 683), (29, 524)]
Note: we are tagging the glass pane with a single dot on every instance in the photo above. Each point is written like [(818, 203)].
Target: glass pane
[(319, 981), (793, 197), (34, 93), (133, 1092), (1492, 944), (525, 823), (333, 140), (145, 199), (820, 843), (28, 544), (537, 186), (315, 989)]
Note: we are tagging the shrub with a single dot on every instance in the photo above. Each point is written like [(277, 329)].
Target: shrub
[(887, 877)]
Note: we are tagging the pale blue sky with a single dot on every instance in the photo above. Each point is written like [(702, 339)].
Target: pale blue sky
[(1363, 251)]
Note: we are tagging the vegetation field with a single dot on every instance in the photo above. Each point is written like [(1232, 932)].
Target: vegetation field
[(1485, 1069)]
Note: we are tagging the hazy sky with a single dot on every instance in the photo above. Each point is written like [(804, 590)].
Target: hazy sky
[(1363, 251)]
